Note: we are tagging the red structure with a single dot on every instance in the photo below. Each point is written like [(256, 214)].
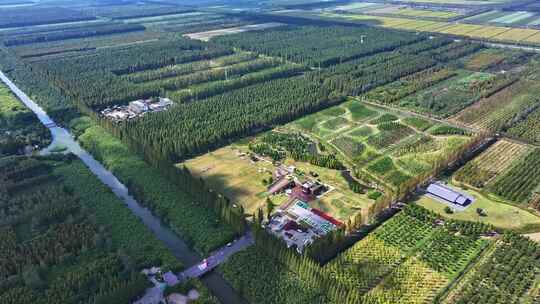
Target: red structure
[(326, 217)]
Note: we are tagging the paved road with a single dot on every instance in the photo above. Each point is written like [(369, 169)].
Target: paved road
[(216, 258), (214, 281)]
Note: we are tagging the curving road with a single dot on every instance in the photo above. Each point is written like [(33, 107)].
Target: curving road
[(214, 281)]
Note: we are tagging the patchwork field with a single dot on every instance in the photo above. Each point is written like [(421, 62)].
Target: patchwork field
[(523, 18), (391, 149), (398, 11), (495, 33)]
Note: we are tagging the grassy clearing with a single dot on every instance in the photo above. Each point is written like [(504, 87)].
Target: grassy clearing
[(235, 176), (499, 214)]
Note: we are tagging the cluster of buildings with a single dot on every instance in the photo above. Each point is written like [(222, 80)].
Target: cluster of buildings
[(136, 108), (298, 224)]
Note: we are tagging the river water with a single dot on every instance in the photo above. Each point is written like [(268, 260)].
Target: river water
[(61, 137)]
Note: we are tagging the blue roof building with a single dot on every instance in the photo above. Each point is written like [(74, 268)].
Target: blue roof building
[(448, 194)]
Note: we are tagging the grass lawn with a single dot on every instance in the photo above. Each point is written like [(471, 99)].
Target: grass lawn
[(234, 176), (498, 214)]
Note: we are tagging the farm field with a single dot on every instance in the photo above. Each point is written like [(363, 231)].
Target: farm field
[(505, 18), (529, 128), (486, 167), (495, 33), (213, 127), (352, 134), (397, 10), (389, 265), (520, 183), (390, 148), (400, 270), (507, 170), (205, 36), (518, 256), (485, 59), (453, 94), (497, 111)]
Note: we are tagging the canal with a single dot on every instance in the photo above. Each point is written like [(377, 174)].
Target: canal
[(62, 137)]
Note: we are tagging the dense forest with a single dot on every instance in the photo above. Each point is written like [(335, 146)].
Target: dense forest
[(57, 246)]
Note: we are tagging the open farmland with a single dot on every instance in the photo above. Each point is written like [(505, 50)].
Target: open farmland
[(399, 11), (505, 18), (495, 33), (227, 121)]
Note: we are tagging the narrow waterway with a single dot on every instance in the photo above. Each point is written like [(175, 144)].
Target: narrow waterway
[(61, 137)]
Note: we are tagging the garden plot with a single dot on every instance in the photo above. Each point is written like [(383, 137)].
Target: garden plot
[(406, 11), (390, 146)]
